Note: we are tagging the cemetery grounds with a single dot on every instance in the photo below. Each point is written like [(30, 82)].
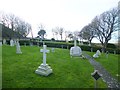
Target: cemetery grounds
[(18, 70)]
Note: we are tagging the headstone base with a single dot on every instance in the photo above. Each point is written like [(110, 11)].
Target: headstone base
[(44, 70)]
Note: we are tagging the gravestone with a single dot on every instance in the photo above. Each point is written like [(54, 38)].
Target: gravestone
[(31, 44), (107, 54), (25, 44), (97, 54), (114, 52), (15, 42), (53, 49), (38, 44), (75, 51), (11, 42), (0, 43), (62, 46), (91, 49), (102, 50), (18, 50), (44, 69), (4, 41), (96, 75)]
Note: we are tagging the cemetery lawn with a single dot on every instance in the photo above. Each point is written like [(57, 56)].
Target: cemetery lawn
[(18, 70), (110, 64)]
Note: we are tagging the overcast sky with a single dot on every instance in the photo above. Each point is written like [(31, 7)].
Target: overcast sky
[(73, 15)]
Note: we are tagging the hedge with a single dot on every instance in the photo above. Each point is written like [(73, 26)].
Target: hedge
[(65, 45)]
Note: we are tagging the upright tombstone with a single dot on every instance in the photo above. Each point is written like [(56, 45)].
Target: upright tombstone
[(18, 50), (31, 44), (53, 49), (44, 69), (114, 52), (4, 41), (75, 51), (107, 54), (0, 43), (15, 42), (91, 49), (25, 44), (11, 42)]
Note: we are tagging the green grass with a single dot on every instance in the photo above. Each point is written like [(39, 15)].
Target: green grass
[(110, 64), (19, 70)]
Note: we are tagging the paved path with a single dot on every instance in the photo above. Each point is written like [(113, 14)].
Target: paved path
[(106, 76)]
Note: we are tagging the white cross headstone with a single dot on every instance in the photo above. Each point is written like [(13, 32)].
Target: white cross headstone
[(75, 43), (44, 69), (44, 50)]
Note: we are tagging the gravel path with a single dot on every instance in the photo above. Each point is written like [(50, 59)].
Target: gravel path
[(106, 76)]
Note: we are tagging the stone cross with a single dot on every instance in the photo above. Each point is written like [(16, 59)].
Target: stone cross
[(44, 50), (75, 43)]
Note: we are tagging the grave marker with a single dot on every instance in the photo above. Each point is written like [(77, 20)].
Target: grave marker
[(44, 69), (18, 50), (4, 41), (107, 54), (96, 75), (75, 51), (11, 42)]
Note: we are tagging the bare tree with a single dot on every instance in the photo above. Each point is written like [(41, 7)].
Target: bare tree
[(88, 33), (59, 30), (105, 25), (15, 23), (55, 32), (70, 35)]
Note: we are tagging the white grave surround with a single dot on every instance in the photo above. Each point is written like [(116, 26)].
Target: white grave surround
[(97, 54), (44, 69), (76, 50), (18, 50), (11, 42)]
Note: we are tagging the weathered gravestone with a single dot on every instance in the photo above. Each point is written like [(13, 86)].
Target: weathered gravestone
[(114, 52), (91, 49), (75, 51), (18, 50), (4, 41), (0, 43), (53, 49), (15, 42), (11, 42), (44, 69), (107, 54), (97, 54)]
